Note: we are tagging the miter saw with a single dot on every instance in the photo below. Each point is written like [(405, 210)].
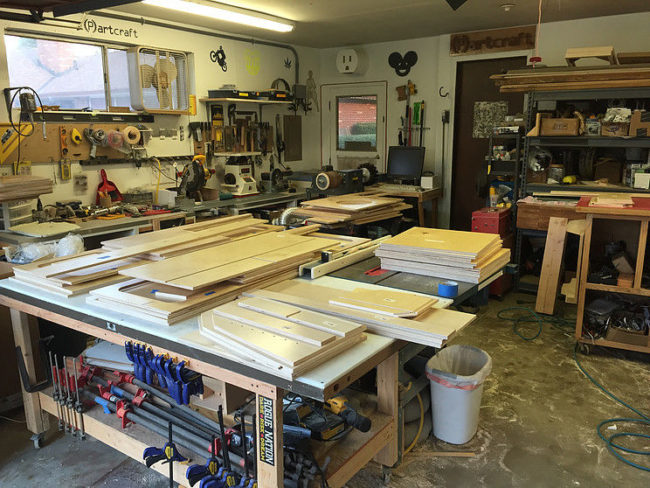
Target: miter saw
[(194, 177), (238, 178)]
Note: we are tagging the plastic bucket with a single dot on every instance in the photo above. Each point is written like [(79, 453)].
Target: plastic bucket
[(457, 374)]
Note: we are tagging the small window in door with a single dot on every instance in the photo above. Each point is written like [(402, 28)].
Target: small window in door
[(357, 123)]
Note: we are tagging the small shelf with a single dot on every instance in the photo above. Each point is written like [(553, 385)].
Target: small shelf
[(584, 141), (618, 289), (245, 100), (239, 154), (615, 344)]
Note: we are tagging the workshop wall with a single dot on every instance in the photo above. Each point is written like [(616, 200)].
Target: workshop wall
[(265, 63), (436, 68)]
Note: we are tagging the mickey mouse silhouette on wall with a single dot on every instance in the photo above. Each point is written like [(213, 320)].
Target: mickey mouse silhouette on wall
[(402, 65)]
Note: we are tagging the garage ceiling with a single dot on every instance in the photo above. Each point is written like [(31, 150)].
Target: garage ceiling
[(330, 23)]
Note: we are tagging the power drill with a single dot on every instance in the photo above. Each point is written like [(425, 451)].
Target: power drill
[(339, 405)]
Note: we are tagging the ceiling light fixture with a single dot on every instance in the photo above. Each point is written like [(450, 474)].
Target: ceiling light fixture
[(225, 13), (507, 6)]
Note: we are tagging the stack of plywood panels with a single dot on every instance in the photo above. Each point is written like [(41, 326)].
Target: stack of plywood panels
[(75, 275), (433, 328), (286, 339), (179, 287), (464, 256), (353, 208)]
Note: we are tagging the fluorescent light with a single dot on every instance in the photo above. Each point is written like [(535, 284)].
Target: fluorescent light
[(225, 13)]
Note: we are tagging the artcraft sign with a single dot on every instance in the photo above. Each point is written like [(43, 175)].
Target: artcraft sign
[(497, 40), (91, 26)]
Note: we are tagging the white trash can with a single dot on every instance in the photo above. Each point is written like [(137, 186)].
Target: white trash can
[(457, 374)]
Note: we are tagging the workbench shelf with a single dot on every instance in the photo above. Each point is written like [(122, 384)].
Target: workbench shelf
[(639, 224), (578, 142), (572, 142), (245, 100)]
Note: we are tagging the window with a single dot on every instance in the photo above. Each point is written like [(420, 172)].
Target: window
[(67, 74), (357, 123)]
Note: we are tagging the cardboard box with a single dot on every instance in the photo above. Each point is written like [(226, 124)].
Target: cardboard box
[(615, 334), (559, 127), (640, 124), (615, 129), (642, 180)]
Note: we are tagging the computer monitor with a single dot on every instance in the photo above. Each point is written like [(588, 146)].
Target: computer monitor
[(405, 162)]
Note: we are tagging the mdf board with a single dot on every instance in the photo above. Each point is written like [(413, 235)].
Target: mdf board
[(549, 279), (471, 244)]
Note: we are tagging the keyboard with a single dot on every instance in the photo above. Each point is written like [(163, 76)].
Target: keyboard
[(395, 187)]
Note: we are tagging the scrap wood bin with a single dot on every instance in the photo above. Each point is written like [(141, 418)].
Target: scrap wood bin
[(457, 374)]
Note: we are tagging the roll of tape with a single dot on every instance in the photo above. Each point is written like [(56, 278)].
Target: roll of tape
[(448, 289), (132, 134), (115, 139)]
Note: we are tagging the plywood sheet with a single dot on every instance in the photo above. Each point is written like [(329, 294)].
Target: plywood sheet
[(393, 303), (321, 321), (549, 279), (471, 244), (350, 203), (227, 261), (274, 325)]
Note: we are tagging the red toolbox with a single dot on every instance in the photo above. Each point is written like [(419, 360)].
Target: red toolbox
[(492, 221), (496, 221)]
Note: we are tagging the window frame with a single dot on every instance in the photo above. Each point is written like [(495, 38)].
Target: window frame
[(338, 120)]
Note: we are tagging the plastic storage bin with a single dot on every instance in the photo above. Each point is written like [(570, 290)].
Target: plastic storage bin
[(457, 374)]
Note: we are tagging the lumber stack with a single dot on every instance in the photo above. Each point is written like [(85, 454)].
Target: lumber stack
[(23, 187), (354, 208), (285, 339), (463, 256), (433, 328), (179, 287), (74, 275), (573, 78)]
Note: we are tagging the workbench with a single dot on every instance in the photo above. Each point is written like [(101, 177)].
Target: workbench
[(422, 196), (106, 228), (184, 342), (244, 204)]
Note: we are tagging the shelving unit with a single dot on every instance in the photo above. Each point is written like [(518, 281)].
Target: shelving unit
[(506, 168), (640, 218), (571, 142)]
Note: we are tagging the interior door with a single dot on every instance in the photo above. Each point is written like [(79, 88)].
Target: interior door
[(473, 84), (354, 125)]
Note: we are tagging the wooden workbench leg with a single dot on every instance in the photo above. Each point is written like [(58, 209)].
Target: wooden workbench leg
[(434, 214), (25, 328), (270, 457), (388, 403), (420, 213)]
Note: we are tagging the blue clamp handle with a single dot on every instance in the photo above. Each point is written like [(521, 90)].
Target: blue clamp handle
[(104, 403)]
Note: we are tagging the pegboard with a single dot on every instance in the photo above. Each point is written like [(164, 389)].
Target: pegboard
[(38, 150)]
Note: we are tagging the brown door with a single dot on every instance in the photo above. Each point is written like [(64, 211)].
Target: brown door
[(473, 85)]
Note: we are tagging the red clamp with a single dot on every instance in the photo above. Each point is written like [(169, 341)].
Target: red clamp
[(86, 374), (124, 377), (140, 396), (121, 411)]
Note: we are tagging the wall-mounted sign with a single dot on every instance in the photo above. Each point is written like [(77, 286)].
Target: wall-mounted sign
[(91, 26), (492, 41)]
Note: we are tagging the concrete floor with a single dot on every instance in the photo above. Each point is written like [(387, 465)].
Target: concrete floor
[(537, 425)]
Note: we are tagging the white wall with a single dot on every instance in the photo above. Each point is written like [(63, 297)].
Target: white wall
[(207, 75), (436, 68)]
